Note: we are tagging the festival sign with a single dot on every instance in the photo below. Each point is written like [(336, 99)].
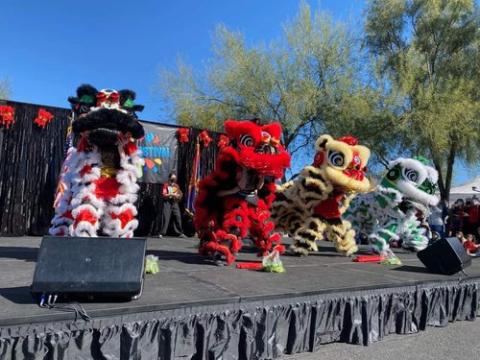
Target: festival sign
[(159, 147)]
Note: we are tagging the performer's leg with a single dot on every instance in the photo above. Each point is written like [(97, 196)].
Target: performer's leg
[(86, 221), (262, 230), (86, 214), (343, 236), (224, 239), (177, 219), (414, 236), (307, 235), (120, 220), (380, 238), (166, 215)]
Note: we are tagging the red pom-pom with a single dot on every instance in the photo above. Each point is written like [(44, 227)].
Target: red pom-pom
[(7, 115), (43, 118), (223, 141), (183, 135), (205, 138), (350, 140)]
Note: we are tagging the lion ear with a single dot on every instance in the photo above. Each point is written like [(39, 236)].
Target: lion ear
[(322, 141), (364, 153), (274, 129)]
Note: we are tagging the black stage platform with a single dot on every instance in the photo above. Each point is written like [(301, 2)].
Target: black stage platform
[(195, 310)]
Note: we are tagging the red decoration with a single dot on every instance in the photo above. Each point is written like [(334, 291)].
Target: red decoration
[(7, 115), (183, 135), (223, 141), (205, 138), (43, 118)]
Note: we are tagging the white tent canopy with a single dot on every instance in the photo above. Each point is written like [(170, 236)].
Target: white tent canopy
[(467, 190)]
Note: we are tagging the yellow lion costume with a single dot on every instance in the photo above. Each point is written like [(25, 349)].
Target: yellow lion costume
[(312, 205)]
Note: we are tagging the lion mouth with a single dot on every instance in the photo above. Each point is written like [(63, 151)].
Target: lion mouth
[(266, 164), (103, 137), (349, 179), (358, 175)]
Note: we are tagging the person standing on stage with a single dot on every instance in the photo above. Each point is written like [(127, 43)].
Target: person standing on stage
[(172, 195)]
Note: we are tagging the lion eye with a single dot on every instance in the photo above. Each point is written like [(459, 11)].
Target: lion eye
[(392, 174), (246, 140), (336, 158), (410, 175), (268, 149)]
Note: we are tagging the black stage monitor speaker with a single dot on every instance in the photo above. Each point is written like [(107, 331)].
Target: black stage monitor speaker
[(445, 256), (90, 268)]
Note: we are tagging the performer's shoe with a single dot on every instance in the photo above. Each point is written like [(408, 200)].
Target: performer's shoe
[(160, 236), (183, 236)]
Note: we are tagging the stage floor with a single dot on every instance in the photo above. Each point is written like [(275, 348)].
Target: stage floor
[(187, 280)]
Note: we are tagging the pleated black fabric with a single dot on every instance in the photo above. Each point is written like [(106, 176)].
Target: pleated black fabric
[(31, 160), (149, 208), (248, 330)]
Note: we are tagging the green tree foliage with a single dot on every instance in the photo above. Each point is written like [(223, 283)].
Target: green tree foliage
[(4, 89), (428, 51), (313, 79)]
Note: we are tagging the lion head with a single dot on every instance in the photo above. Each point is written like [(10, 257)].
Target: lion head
[(344, 162), (258, 147), (414, 178), (105, 117)]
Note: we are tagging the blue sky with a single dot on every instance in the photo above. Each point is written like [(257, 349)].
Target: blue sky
[(50, 47)]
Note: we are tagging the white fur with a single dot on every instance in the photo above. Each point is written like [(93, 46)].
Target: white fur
[(80, 195), (409, 188)]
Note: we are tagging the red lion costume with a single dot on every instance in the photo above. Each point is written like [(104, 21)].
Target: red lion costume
[(235, 199)]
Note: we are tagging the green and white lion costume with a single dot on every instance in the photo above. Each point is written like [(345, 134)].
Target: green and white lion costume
[(398, 208)]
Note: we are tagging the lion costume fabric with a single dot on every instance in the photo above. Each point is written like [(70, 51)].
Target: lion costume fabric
[(399, 207), (98, 185), (311, 206), (233, 202)]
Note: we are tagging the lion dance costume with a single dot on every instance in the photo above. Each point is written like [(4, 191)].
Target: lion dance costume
[(233, 202), (398, 208), (311, 206), (98, 185)]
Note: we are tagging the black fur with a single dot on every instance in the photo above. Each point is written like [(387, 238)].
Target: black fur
[(126, 94), (84, 89), (109, 119)]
